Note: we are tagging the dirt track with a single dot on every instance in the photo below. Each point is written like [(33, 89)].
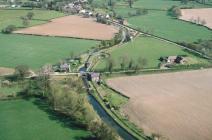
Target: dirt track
[(176, 105), (194, 14), (73, 26)]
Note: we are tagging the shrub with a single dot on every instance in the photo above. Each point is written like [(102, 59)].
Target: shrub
[(174, 11), (9, 29)]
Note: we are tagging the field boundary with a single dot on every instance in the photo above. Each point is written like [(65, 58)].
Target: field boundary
[(110, 113), (163, 39), (57, 36)]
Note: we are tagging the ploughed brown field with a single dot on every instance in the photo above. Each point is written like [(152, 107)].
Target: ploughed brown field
[(176, 105), (198, 14), (73, 26), (6, 71)]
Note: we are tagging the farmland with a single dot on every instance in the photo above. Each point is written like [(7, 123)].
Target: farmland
[(165, 4), (73, 26), (198, 14), (24, 120), (6, 71), (149, 48), (36, 51), (182, 113), (163, 25), (12, 17)]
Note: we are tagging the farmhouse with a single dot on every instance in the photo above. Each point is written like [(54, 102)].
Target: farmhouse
[(65, 67), (95, 77), (173, 59)]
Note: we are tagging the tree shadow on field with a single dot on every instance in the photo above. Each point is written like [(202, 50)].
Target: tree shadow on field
[(60, 118)]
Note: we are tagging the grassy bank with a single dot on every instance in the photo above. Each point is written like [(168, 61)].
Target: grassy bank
[(123, 122)]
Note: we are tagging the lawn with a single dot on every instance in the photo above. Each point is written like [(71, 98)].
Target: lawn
[(31, 120), (12, 17), (36, 51), (160, 24), (149, 48)]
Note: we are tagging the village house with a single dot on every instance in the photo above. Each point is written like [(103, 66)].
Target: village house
[(65, 67), (94, 77)]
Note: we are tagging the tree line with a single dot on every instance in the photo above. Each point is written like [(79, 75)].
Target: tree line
[(126, 63), (67, 97)]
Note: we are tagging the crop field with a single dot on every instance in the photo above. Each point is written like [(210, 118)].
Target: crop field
[(175, 105), (31, 120), (198, 14), (149, 48), (36, 51), (73, 26), (12, 17), (160, 24), (6, 71)]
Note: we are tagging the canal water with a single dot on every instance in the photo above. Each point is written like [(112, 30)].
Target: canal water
[(108, 120)]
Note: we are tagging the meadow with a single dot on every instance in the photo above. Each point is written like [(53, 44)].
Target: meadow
[(149, 48), (163, 25), (31, 120), (165, 4), (36, 51), (12, 17)]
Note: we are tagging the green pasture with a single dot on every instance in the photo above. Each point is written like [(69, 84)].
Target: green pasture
[(12, 17), (148, 48), (165, 4), (32, 120), (36, 51), (163, 25)]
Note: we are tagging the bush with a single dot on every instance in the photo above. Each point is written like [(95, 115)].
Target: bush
[(9, 29), (141, 12), (174, 11)]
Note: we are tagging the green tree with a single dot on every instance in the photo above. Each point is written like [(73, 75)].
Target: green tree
[(110, 64), (21, 71), (25, 21), (30, 15), (9, 29), (131, 64), (175, 11)]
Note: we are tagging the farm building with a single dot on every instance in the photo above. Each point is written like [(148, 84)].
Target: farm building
[(95, 77), (65, 67), (173, 59)]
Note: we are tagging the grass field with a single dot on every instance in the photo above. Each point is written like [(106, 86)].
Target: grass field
[(12, 17), (167, 27), (164, 4), (24, 120), (149, 48), (36, 51), (10, 90)]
